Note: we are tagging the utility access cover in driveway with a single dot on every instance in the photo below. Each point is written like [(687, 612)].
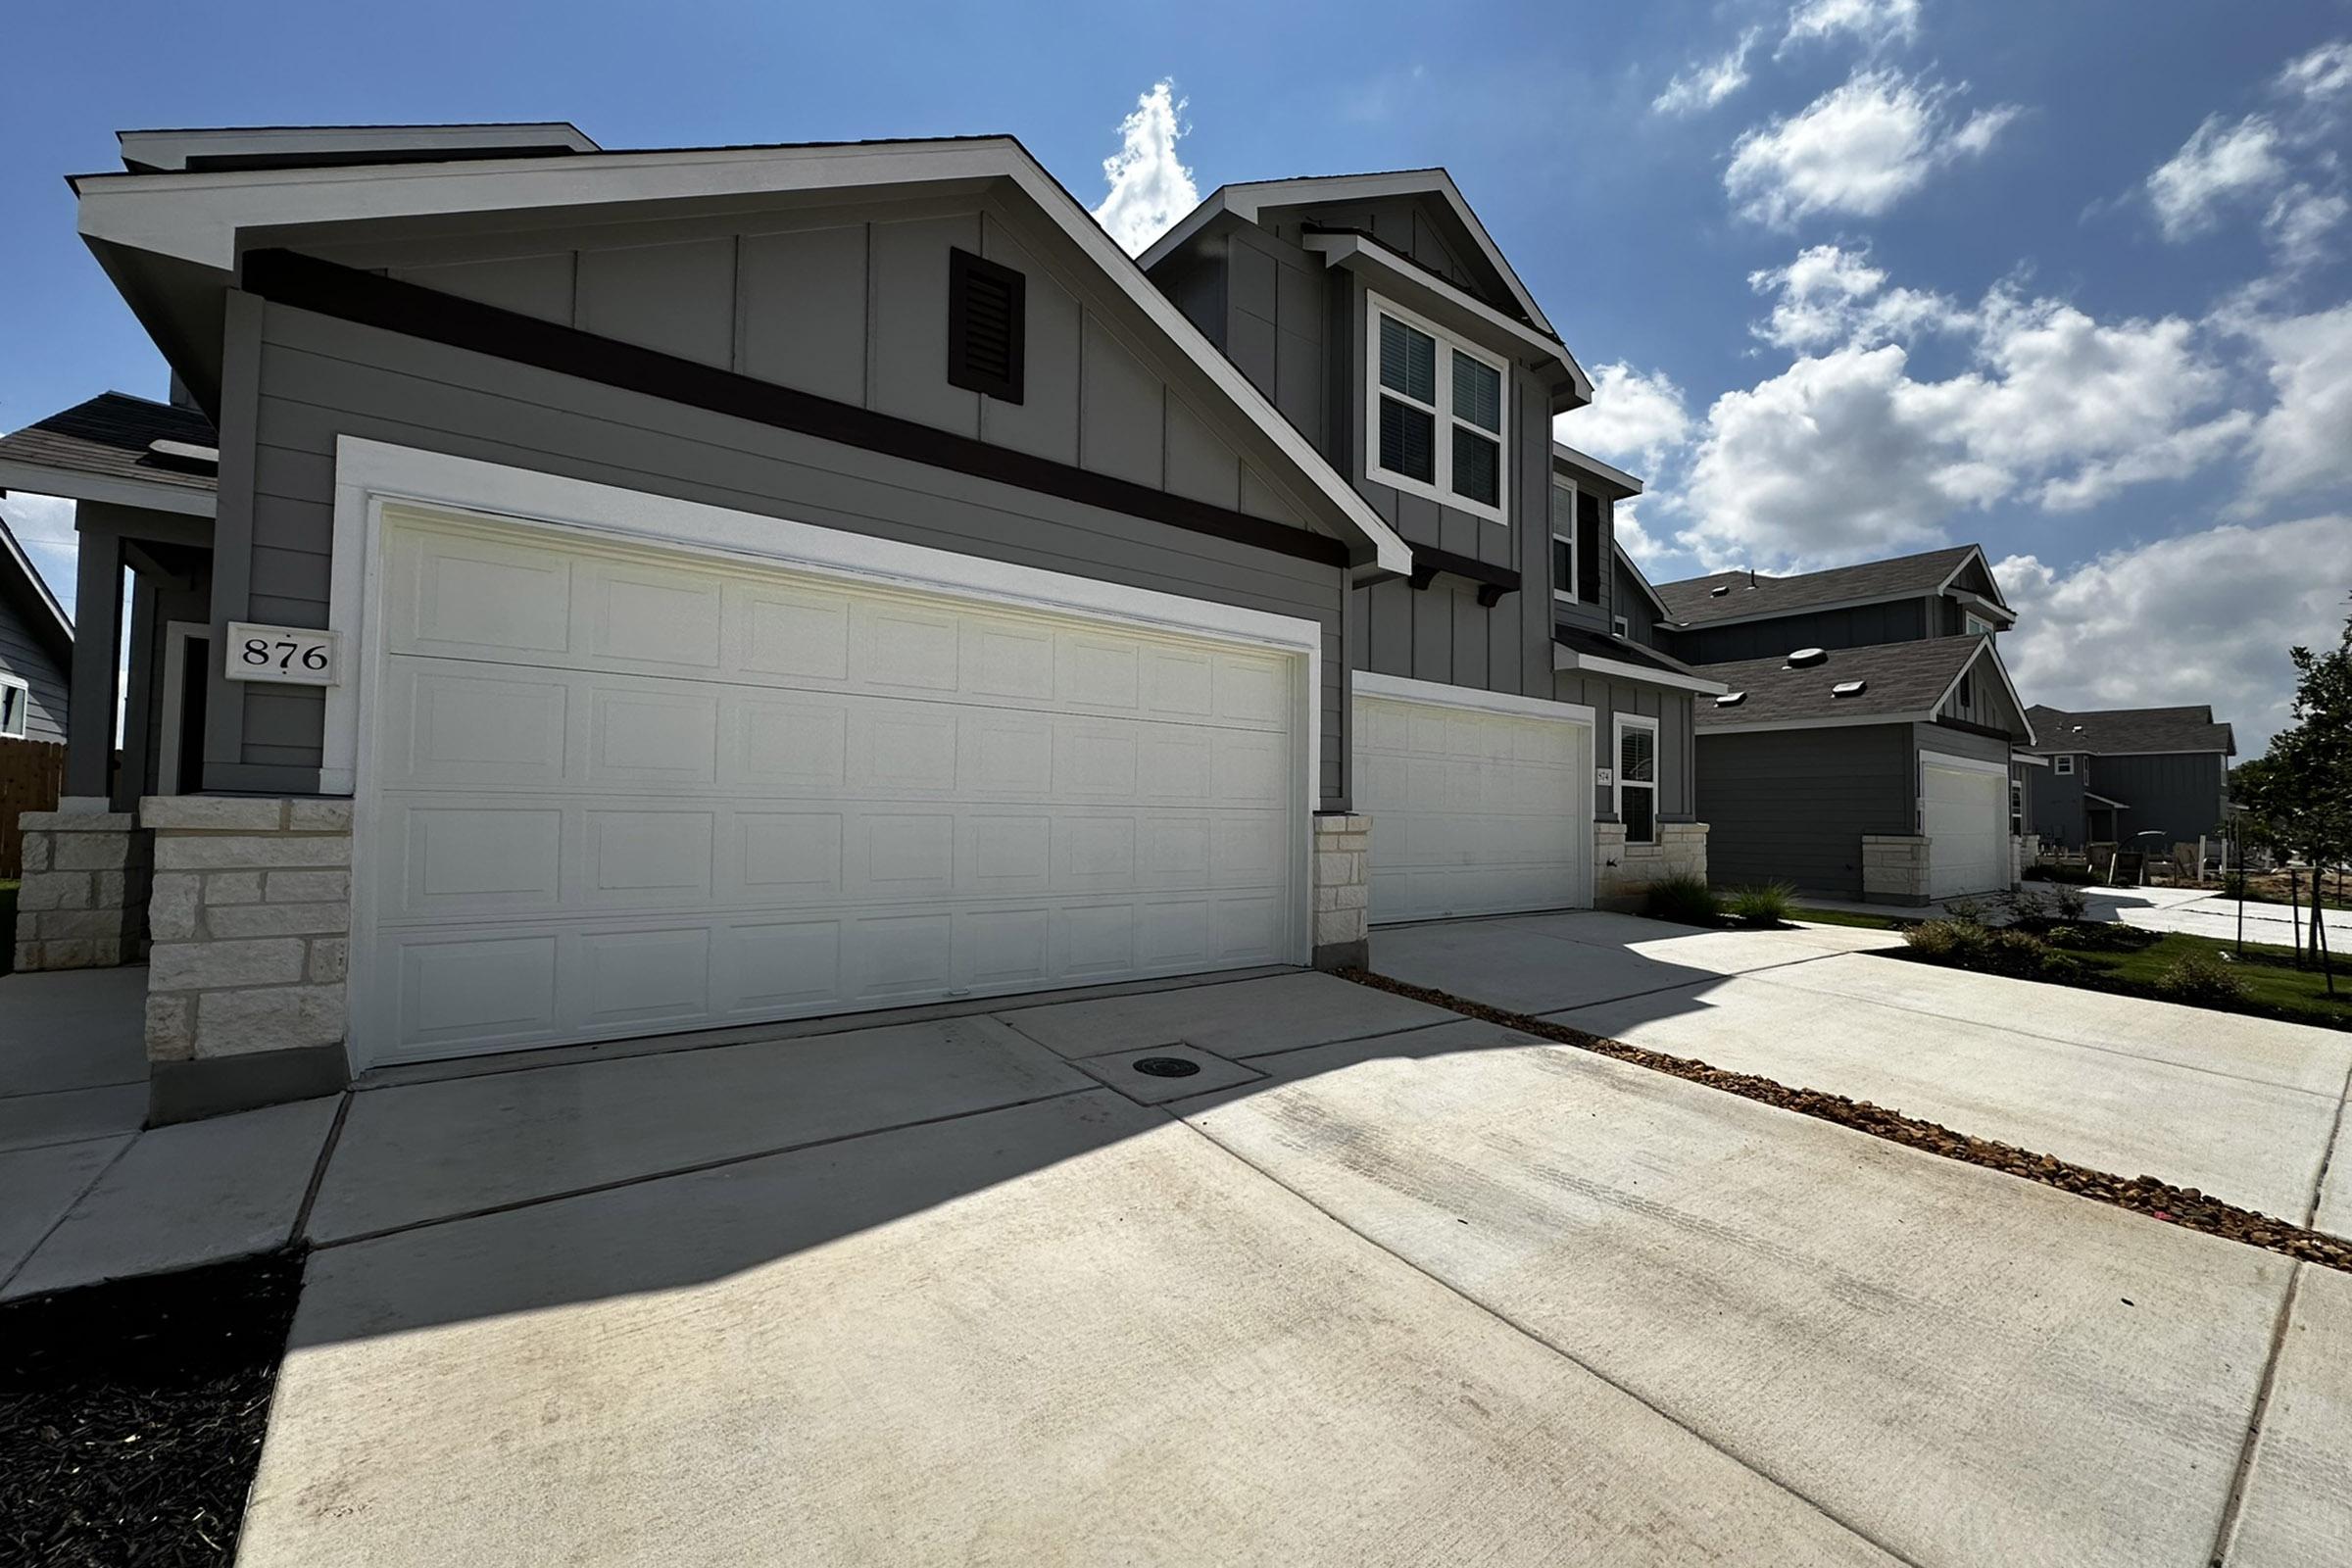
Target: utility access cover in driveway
[(1072, 1332)]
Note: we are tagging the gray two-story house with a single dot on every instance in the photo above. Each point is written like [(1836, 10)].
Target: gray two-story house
[(2140, 777), (1863, 747), (36, 645), (1513, 745), (619, 594)]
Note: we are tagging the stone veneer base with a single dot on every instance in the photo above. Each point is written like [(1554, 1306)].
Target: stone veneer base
[(1342, 935), (1622, 872), (82, 902)]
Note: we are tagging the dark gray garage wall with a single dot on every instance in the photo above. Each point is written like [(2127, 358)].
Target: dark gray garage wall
[(315, 379), (2057, 802), (2178, 794), (1791, 806)]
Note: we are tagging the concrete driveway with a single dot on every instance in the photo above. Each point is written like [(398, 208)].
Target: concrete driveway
[(2243, 1108), (1396, 1286)]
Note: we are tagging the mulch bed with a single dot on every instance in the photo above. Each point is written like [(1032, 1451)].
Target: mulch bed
[(2144, 1194), (131, 1414)]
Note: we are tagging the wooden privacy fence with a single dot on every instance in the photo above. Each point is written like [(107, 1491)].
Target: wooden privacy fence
[(32, 774)]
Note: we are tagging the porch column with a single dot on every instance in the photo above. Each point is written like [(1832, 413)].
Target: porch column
[(97, 645)]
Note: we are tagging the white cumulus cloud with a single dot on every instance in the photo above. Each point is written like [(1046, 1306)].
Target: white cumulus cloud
[(1703, 87), (1634, 417), (1876, 23), (1858, 149), (1149, 186), (2304, 440), (2222, 606), (1831, 294), (2221, 162), (44, 527)]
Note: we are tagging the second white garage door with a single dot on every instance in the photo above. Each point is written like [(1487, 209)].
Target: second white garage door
[(1474, 811), (1964, 807), (614, 791)]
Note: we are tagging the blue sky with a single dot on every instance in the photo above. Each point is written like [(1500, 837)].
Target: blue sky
[(1856, 276)]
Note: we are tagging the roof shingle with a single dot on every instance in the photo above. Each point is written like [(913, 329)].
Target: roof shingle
[(1694, 601), (110, 436), (2117, 731), (1900, 680)]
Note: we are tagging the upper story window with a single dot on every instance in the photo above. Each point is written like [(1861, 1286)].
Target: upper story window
[(1563, 541), (1438, 412), (1976, 623), (2062, 765), (16, 707)]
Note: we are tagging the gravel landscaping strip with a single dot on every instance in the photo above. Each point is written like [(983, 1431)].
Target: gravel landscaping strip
[(2185, 1207), (131, 1414)]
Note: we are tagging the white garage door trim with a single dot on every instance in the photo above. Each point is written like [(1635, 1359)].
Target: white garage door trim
[(2001, 820), (1435, 694), (369, 475)]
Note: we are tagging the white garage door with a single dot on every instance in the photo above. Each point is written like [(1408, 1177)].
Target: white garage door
[(1966, 806), (1473, 811), (616, 792)]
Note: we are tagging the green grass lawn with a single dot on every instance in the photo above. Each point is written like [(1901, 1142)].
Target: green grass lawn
[(1868, 922), (2274, 987)]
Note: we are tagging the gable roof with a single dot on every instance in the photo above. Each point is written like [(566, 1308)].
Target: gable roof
[(104, 450), (2129, 731), (1641, 580), (21, 582), (1696, 602), (1902, 683), (1610, 480), (196, 219), (1246, 198)]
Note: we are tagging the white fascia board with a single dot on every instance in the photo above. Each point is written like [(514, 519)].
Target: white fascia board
[(108, 490), (1976, 553), (1563, 658), (197, 218), (1437, 693), (22, 563), (1985, 649), (2030, 758), (1993, 609), (1358, 254), (1841, 721)]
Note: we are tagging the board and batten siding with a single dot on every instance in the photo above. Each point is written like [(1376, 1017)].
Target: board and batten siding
[(1901, 620), (307, 379), (23, 655), (1791, 806), (2177, 793), (1607, 697)]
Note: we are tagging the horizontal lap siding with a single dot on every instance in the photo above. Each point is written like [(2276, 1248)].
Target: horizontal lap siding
[(321, 379), (1791, 806)]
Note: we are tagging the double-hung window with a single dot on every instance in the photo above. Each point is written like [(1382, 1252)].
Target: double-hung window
[(16, 707), (1438, 413), (1563, 541), (1638, 778), (2065, 765)]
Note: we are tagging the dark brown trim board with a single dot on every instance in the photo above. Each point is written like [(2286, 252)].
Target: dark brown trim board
[(304, 282), (1493, 582)]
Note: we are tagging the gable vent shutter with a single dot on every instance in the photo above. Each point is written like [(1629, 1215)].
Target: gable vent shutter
[(1588, 547), (987, 326)]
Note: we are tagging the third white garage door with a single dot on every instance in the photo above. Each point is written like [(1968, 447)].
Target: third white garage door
[(1964, 806), (617, 791), (1483, 810)]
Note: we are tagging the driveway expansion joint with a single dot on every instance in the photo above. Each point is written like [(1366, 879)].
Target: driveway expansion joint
[(2145, 1195), (1529, 1334), (2244, 1477)]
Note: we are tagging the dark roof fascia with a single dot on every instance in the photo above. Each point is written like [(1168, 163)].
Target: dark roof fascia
[(48, 621), (1493, 582)]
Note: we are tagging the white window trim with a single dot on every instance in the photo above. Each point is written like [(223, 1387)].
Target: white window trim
[(23, 708), (1442, 491), (1565, 533), (1617, 783), (2063, 765), (1621, 626)]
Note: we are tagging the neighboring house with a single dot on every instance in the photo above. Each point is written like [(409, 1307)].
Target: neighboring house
[(36, 650), (1864, 746), (666, 590), (1488, 691), (2152, 777)]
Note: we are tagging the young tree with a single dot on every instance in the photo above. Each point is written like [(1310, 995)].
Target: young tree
[(2299, 796)]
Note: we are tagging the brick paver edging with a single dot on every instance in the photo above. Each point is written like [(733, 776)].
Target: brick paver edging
[(2184, 1206)]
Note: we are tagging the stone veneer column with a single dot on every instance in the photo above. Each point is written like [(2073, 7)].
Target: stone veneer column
[(251, 919), (1342, 888), (84, 894), (1894, 868), (2017, 859), (1622, 872)]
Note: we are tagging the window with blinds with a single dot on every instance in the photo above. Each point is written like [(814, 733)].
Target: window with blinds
[(1438, 411)]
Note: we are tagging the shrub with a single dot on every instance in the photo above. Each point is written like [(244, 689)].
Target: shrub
[(2072, 903), (1764, 906), (2233, 884), (2025, 907), (1685, 898), (2018, 953), (2201, 981), (1966, 945), (1968, 911), (2074, 876), (1944, 941)]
